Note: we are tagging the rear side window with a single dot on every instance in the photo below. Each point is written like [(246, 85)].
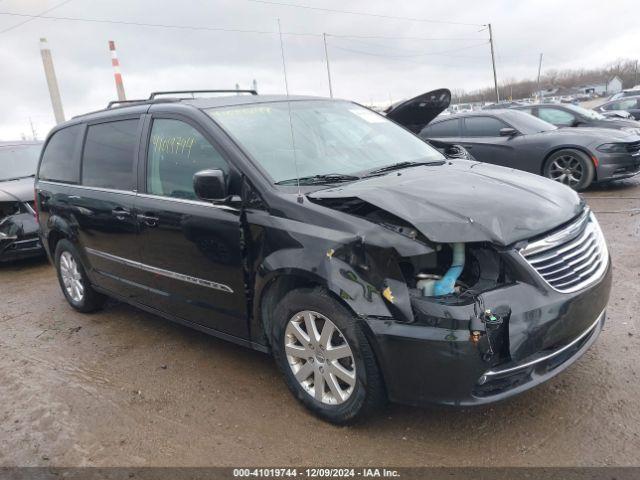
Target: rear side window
[(448, 128), (59, 162), (176, 152), (109, 154), (483, 127)]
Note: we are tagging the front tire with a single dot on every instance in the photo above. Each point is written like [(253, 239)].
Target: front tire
[(325, 357), (73, 279), (570, 167)]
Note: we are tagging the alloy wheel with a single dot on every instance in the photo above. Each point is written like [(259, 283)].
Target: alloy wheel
[(71, 277), (320, 357), (567, 169)]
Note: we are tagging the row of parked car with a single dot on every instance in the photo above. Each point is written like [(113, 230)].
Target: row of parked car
[(541, 139)]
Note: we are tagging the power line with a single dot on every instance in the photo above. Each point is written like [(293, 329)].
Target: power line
[(401, 59), (353, 12), (383, 37), (217, 29), (444, 52), (152, 25), (33, 17)]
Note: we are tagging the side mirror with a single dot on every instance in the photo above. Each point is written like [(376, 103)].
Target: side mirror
[(210, 185), (508, 132)]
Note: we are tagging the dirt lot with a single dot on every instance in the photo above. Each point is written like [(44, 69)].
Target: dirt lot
[(122, 387)]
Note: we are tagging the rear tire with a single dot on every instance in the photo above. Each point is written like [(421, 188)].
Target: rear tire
[(73, 279), (336, 356), (570, 167)]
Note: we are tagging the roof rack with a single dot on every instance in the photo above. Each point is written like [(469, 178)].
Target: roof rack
[(124, 102), (193, 92)]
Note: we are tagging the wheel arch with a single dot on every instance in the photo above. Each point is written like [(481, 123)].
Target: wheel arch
[(274, 287)]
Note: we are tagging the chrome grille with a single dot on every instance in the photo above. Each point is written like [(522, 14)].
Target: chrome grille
[(572, 258)]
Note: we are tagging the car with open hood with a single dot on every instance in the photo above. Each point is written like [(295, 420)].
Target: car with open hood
[(18, 226), (370, 265), (628, 104), (576, 157)]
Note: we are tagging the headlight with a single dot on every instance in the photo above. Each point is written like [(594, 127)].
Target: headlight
[(613, 148), (634, 130)]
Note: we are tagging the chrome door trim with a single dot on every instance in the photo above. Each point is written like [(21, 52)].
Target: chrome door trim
[(165, 273), (187, 201), (94, 189)]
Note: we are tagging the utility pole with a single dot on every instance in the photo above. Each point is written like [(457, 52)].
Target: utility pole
[(52, 82), (635, 82), (116, 71), (539, 70), (34, 134), (493, 62), (255, 85), (326, 57)]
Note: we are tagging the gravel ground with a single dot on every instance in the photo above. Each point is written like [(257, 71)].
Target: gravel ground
[(125, 388)]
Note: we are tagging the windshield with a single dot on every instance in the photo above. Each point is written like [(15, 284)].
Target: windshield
[(17, 161), (585, 112), (529, 124), (331, 138)]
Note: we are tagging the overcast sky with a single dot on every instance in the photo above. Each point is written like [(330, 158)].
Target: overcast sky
[(369, 63)]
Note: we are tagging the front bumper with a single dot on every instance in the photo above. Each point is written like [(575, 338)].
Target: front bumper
[(20, 248), (434, 360), (615, 166)]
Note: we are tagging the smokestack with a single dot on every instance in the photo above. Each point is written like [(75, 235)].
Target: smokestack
[(52, 82), (116, 71)]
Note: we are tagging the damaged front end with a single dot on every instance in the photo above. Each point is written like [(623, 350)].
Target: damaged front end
[(471, 322), (18, 231)]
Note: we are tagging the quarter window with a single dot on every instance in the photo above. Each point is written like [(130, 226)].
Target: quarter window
[(556, 116), (59, 162), (483, 126), (176, 152), (109, 154)]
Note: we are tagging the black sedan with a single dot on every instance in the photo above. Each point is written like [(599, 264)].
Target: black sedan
[(627, 104), (567, 115), (18, 225), (576, 157)]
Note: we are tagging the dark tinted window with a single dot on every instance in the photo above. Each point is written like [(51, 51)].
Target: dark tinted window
[(58, 162), (448, 128), (109, 153), (176, 152), (483, 127)]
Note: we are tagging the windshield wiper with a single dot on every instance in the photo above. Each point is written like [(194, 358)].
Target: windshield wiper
[(320, 179), (399, 165), (17, 178)]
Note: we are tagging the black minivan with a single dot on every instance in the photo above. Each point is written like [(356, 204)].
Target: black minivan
[(370, 265)]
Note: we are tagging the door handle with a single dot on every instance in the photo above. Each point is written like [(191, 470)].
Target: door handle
[(120, 213), (148, 220), (468, 147)]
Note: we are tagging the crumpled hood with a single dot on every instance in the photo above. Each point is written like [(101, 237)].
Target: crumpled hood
[(463, 201), (21, 190)]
